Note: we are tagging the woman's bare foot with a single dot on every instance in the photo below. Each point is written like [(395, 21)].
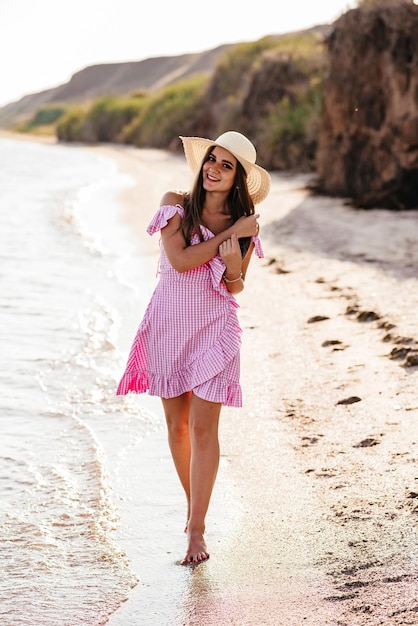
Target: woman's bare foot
[(197, 550)]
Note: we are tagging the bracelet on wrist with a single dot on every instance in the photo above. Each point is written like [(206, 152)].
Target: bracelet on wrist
[(235, 280)]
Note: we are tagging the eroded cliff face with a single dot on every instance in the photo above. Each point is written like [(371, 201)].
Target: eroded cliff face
[(368, 139), (277, 111), (271, 91)]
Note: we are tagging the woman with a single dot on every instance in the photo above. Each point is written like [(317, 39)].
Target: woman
[(187, 347)]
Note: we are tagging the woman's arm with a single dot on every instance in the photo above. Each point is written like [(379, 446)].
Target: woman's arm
[(184, 257)]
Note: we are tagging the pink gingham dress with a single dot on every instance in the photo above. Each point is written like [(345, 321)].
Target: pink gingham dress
[(189, 338)]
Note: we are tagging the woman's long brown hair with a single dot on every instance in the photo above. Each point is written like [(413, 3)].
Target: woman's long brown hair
[(239, 203)]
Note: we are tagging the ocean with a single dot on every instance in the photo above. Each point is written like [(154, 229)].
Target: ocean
[(72, 284)]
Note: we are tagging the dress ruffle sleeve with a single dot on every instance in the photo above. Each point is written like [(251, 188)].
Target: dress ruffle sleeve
[(217, 268), (164, 213), (258, 250)]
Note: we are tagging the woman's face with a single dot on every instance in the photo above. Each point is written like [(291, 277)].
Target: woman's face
[(219, 170)]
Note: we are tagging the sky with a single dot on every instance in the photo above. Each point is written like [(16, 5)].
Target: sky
[(44, 42)]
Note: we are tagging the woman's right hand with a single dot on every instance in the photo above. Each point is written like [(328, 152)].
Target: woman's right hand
[(246, 226)]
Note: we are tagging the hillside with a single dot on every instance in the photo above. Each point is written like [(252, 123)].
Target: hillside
[(270, 89), (115, 79)]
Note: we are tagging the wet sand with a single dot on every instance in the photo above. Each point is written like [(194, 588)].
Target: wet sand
[(314, 514)]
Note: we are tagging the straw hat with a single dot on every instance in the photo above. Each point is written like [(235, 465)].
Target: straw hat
[(258, 179)]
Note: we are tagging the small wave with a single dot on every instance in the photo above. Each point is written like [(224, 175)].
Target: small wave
[(63, 304), (59, 539)]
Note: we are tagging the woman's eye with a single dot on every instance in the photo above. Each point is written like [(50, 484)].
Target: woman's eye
[(211, 158)]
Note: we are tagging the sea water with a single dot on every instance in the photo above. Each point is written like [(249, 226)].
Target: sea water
[(71, 283)]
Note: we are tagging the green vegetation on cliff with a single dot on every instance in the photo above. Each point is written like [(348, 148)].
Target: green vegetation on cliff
[(270, 89), (165, 113), (43, 122), (102, 121)]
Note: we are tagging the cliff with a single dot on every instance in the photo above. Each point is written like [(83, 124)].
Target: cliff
[(115, 79), (368, 137), (270, 90)]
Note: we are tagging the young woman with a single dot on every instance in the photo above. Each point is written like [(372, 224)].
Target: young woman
[(187, 347)]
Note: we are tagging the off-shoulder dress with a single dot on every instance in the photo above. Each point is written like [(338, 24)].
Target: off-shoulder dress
[(189, 338)]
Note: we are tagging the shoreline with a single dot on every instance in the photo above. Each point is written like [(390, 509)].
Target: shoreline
[(335, 511), (312, 519)]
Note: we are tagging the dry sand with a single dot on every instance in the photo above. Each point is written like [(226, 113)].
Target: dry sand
[(314, 514)]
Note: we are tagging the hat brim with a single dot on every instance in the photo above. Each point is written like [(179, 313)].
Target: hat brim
[(258, 179)]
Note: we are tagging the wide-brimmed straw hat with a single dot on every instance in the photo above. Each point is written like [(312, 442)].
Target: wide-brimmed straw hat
[(258, 179)]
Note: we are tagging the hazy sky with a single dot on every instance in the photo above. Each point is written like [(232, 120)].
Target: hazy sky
[(43, 42)]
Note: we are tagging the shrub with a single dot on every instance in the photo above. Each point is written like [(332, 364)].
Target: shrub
[(43, 121), (70, 126), (234, 68), (109, 115), (291, 130), (166, 114)]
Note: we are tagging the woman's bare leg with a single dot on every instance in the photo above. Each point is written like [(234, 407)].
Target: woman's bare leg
[(204, 462), (177, 416)]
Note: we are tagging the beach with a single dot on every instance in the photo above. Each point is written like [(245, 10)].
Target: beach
[(323, 530), (313, 516)]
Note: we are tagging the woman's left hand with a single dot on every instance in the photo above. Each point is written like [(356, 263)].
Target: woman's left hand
[(230, 253)]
